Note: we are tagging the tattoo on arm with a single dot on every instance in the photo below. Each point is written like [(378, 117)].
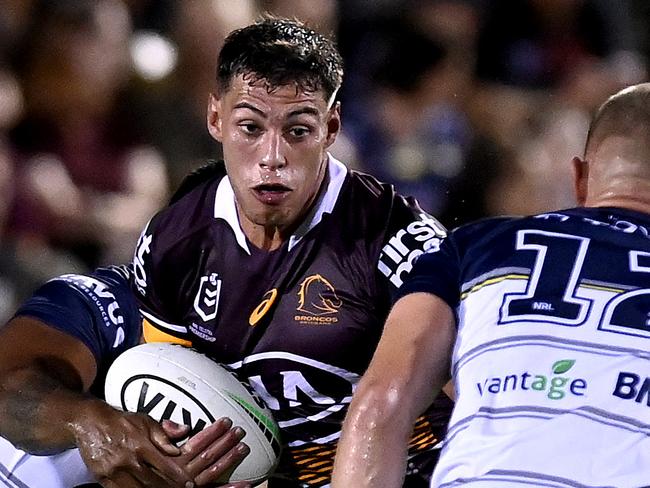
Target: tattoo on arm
[(34, 402)]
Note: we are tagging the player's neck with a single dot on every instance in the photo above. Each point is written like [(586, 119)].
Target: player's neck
[(631, 194), (266, 238)]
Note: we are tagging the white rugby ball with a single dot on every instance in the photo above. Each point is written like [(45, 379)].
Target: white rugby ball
[(170, 381)]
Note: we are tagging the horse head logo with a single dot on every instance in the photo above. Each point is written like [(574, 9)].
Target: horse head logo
[(317, 296)]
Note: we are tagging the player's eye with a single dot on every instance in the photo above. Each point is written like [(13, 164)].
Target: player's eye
[(249, 128), (299, 131)]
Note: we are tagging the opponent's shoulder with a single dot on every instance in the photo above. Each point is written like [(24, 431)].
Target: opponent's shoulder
[(579, 220), (106, 288), (114, 278), (492, 230), (97, 308)]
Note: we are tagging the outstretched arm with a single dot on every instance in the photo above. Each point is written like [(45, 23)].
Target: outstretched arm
[(42, 370), (49, 357), (44, 376), (409, 367)]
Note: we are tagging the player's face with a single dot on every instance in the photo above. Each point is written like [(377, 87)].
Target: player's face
[(274, 146)]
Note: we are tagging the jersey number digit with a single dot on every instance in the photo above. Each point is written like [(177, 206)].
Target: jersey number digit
[(550, 296), (628, 312)]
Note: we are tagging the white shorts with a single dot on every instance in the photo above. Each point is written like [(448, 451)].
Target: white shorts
[(19, 469)]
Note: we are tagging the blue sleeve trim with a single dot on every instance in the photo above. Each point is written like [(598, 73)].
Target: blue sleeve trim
[(67, 313), (98, 309)]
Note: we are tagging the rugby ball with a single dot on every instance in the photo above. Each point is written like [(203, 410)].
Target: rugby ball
[(170, 381)]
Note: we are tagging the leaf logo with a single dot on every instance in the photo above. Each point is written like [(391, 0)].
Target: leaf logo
[(562, 366)]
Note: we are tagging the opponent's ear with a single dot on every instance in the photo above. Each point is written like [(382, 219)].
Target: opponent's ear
[(580, 179), (214, 117)]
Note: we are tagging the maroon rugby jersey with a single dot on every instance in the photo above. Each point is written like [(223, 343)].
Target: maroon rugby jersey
[(299, 323)]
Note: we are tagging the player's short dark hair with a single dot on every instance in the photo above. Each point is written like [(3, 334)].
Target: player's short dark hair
[(280, 52), (627, 113)]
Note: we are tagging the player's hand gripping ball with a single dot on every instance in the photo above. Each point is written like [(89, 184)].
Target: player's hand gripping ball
[(169, 381)]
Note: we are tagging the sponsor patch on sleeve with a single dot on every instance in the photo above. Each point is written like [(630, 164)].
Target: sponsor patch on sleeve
[(398, 255)]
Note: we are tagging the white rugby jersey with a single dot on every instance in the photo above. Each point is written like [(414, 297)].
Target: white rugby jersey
[(552, 359), (19, 469)]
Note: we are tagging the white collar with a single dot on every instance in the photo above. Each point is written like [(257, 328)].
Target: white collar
[(224, 204)]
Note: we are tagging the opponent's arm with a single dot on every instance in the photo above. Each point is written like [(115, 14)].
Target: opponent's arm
[(41, 371), (409, 367), (45, 408)]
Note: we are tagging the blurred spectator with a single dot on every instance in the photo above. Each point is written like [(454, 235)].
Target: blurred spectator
[(407, 131), (21, 266), (152, 15), (538, 43), (473, 106), (406, 108), (14, 19), (640, 13), (85, 182), (544, 66), (9, 270), (175, 106)]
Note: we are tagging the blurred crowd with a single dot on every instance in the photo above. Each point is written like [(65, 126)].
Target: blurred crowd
[(473, 106)]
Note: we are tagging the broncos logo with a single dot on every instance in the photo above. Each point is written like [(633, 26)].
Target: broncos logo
[(317, 296)]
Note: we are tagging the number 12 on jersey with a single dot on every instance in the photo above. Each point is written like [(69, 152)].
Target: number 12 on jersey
[(550, 294)]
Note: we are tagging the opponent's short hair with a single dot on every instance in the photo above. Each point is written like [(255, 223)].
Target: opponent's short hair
[(279, 52), (626, 113)]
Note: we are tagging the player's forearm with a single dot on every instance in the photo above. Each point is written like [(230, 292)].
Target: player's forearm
[(39, 413), (408, 369), (373, 447)]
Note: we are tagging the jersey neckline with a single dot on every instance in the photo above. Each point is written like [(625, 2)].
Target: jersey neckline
[(225, 209)]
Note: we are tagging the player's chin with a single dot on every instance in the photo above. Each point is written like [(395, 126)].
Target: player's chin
[(283, 217), (278, 218)]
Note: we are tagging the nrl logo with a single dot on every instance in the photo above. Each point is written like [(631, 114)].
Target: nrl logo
[(317, 297), (206, 301)]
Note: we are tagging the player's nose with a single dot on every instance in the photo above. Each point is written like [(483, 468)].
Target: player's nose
[(273, 157)]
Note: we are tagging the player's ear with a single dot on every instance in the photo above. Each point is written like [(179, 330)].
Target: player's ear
[(333, 123), (580, 179), (215, 120)]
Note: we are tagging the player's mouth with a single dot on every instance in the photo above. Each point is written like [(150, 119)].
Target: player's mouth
[(271, 193)]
